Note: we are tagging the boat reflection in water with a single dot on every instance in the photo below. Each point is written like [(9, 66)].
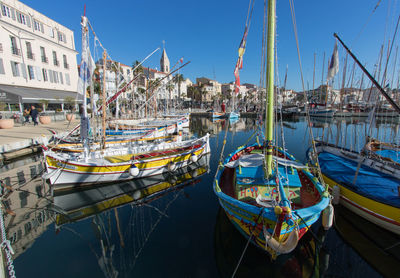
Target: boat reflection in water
[(307, 260), (123, 216), (377, 246)]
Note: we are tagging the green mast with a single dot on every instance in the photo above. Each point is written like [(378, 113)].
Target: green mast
[(269, 130)]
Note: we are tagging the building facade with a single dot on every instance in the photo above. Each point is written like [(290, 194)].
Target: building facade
[(38, 57)]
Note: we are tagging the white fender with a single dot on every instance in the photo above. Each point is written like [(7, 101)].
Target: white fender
[(287, 246), (336, 195), (134, 171), (327, 217), (171, 166), (194, 158)]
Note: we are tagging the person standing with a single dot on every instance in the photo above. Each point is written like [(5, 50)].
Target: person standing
[(34, 113), (26, 115)]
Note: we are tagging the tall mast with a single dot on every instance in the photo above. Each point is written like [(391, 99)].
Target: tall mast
[(83, 69), (270, 84), (103, 127)]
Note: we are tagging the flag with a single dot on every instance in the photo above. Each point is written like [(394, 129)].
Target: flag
[(239, 63), (334, 64), (181, 60), (242, 46)]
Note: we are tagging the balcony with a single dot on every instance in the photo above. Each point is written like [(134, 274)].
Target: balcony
[(30, 55), (45, 59), (56, 62), (15, 51), (66, 66)]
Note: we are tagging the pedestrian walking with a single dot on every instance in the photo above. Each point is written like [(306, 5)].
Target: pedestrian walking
[(34, 113)]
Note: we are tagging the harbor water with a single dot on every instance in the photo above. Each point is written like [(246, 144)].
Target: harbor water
[(172, 225)]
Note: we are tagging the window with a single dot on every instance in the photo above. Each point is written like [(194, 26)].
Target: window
[(15, 68), (31, 73), (36, 25), (67, 80), (21, 18), (128, 72), (5, 11), (61, 78), (61, 37), (2, 66), (55, 61), (66, 66), (43, 54), (45, 77), (51, 32), (14, 49), (29, 50)]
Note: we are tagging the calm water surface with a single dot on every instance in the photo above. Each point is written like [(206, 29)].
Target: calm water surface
[(149, 228)]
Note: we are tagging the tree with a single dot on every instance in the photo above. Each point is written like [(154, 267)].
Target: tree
[(178, 78)]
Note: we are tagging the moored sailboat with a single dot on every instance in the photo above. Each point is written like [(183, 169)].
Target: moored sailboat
[(270, 197)]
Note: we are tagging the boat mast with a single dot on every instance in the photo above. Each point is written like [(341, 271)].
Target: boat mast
[(270, 85), (381, 90), (103, 127), (83, 68)]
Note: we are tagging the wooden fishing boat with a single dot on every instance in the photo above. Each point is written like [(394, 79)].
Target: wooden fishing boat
[(268, 196), (79, 204), (366, 185), (122, 163)]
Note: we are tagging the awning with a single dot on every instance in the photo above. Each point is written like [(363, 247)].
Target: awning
[(15, 94)]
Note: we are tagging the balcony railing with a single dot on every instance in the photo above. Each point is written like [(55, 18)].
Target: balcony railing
[(45, 59), (66, 66), (15, 51), (30, 55)]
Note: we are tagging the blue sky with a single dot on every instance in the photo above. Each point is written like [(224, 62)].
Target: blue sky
[(208, 33)]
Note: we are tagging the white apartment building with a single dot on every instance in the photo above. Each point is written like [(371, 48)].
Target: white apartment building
[(37, 58)]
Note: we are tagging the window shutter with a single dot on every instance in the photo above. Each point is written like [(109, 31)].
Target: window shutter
[(38, 74), (61, 78), (67, 79), (23, 70), (51, 76), (28, 21), (12, 13), (41, 28), (1, 66)]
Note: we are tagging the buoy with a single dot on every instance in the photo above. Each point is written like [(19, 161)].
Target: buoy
[(336, 195), (171, 166), (327, 217), (194, 158), (134, 171)]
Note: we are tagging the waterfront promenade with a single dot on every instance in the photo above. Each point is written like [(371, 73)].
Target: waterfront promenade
[(13, 141)]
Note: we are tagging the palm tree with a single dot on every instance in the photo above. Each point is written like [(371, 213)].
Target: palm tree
[(177, 80), (169, 87)]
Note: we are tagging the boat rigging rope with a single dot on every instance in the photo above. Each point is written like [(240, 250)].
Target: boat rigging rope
[(6, 245), (247, 243), (305, 104)]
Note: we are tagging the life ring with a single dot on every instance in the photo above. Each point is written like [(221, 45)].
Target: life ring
[(284, 247)]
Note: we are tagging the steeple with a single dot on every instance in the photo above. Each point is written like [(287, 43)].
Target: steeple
[(164, 62)]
